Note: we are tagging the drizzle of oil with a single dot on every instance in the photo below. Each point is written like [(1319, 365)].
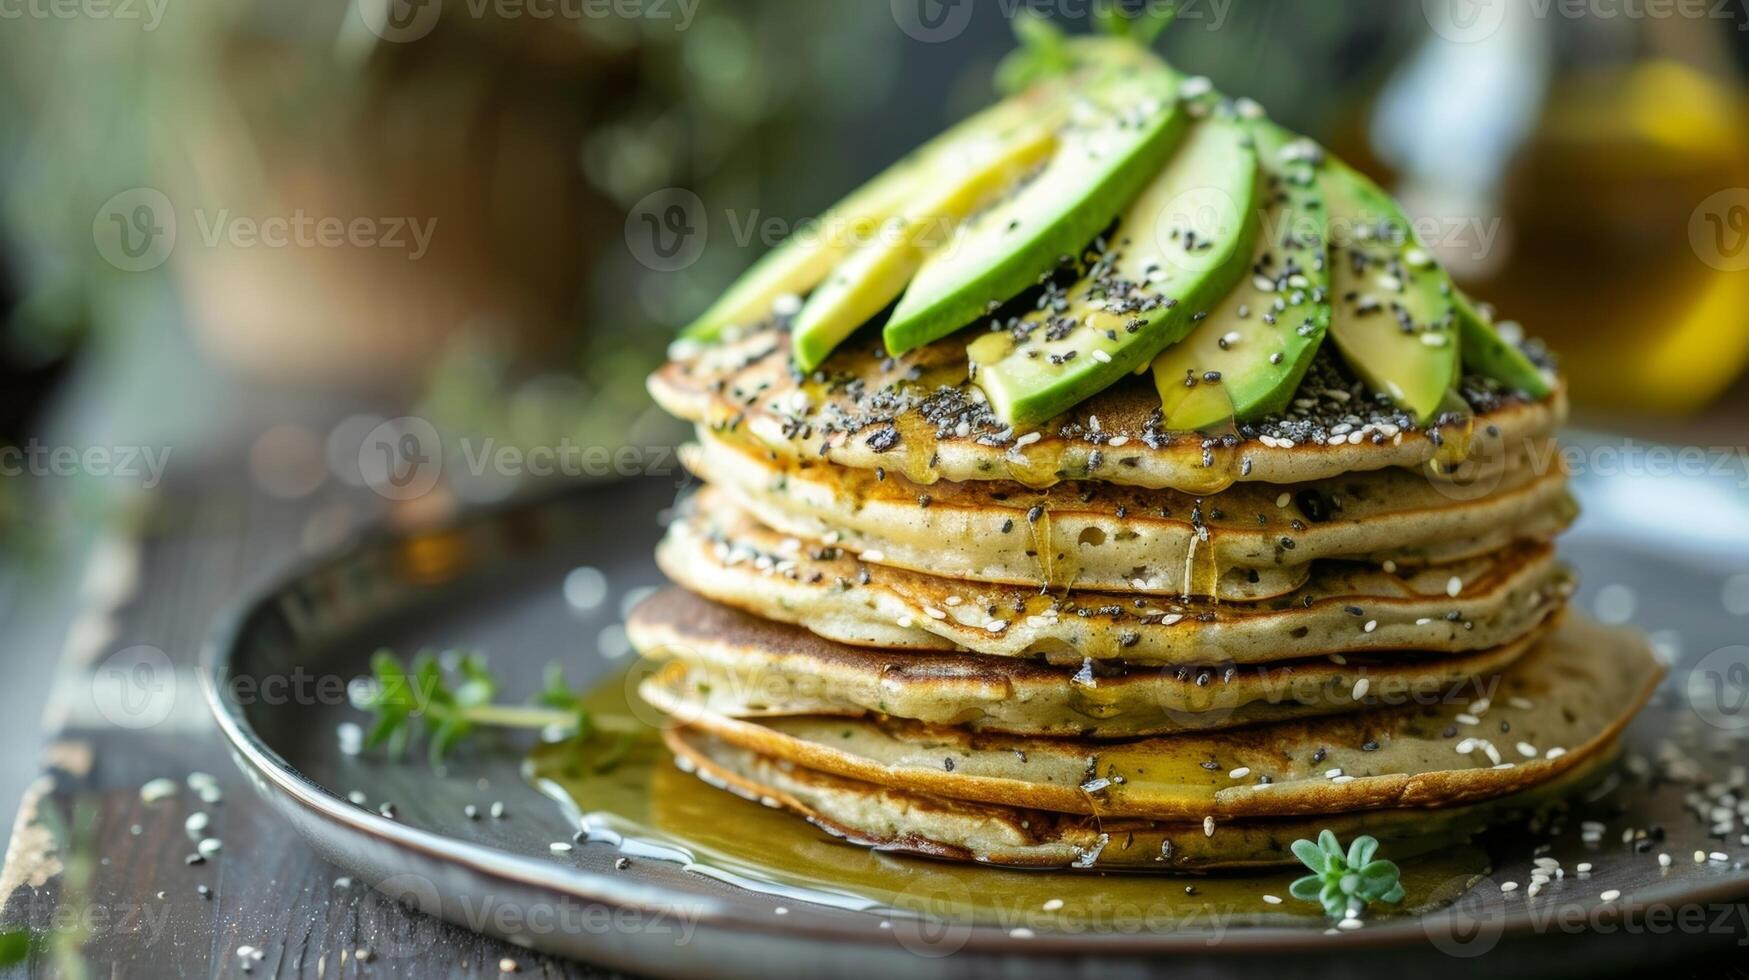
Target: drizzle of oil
[(1223, 464), (917, 448), (1033, 467), (650, 809), (1043, 545), (1202, 566)]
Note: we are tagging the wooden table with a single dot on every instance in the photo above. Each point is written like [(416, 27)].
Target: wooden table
[(98, 877)]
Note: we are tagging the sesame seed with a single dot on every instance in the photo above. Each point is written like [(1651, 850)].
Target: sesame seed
[(1360, 687), (1239, 773), (156, 790), (1611, 895), (1509, 886), (1053, 904), (1272, 899), (1208, 826), (1454, 587)]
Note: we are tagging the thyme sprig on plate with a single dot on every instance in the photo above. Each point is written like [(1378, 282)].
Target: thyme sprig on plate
[(443, 701), (1345, 883)]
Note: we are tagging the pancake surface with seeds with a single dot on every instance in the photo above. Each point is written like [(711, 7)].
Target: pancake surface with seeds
[(1565, 701), (917, 415), (739, 666), (1248, 543), (910, 822), (717, 551)]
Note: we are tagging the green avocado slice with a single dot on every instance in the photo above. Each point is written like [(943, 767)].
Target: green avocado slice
[(802, 262), (1179, 248), (970, 178), (1395, 315), (1120, 132), (1247, 359), (1487, 353)]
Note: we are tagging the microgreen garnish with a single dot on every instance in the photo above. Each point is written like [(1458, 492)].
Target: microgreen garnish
[(445, 700), (1046, 52), (1345, 883)]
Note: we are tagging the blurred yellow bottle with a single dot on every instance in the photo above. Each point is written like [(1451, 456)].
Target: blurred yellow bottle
[(1628, 209)]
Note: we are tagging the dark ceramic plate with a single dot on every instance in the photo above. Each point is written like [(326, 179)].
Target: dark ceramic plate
[(1670, 554)]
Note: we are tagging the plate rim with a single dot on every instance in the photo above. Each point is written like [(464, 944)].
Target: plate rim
[(220, 648)]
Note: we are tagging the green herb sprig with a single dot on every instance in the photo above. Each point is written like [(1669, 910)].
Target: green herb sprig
[(1046, 52), (443, 701), (1345, 883)]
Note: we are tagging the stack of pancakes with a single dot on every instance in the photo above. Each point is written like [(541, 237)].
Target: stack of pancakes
[(1104, 645)]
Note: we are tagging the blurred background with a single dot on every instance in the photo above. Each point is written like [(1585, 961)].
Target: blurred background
[(246, 243)]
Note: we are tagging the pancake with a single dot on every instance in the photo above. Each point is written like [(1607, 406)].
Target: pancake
[(715, 550), (1563, 702), (739, 666), (916, 823), (1250, 542), (918, 415)]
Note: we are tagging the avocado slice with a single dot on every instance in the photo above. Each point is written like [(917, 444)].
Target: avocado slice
[(1487, 353), (1121, 129), (1178, 249), (1394, 318), (799, 264), (866, 283), (1247, 359)]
